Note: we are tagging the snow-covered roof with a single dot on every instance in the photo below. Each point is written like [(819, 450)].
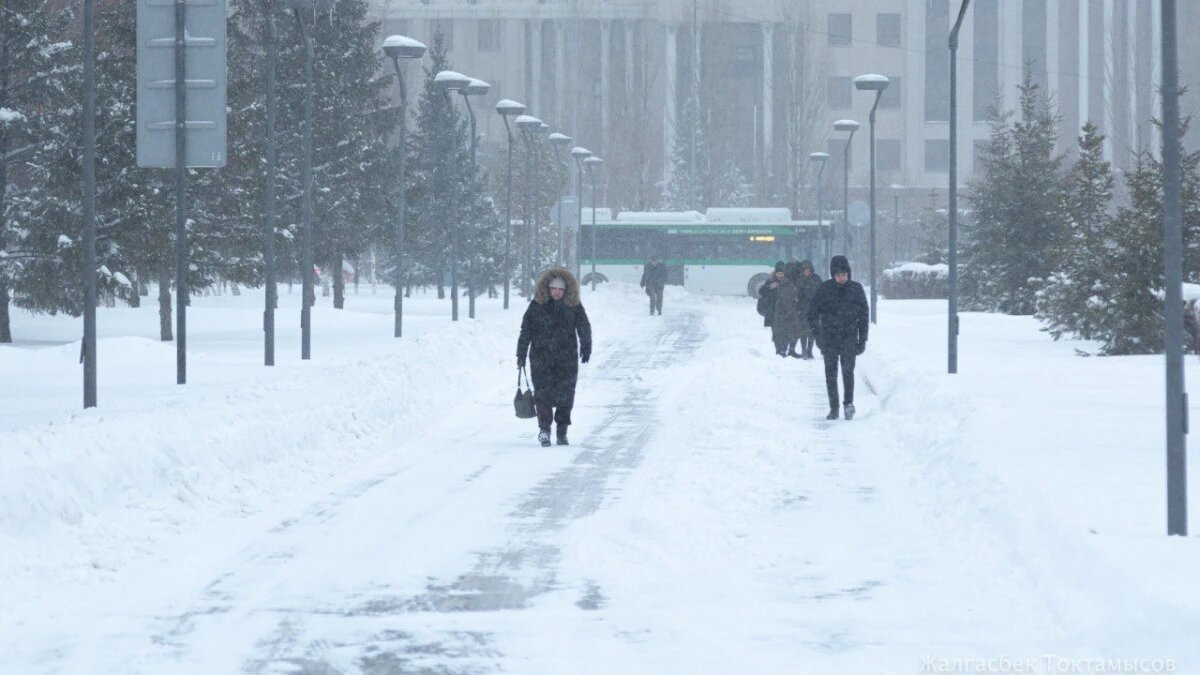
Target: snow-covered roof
[(747, 215), (660, 217)]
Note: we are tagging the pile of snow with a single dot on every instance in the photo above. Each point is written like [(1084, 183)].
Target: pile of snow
[(10, 115), (748, 215), (914, 280)]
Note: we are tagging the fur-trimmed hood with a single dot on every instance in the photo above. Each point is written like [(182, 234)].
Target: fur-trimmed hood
[(541, 294)]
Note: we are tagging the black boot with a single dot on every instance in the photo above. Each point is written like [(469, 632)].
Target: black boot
[(544, 438), (833, 414), (562, 435)]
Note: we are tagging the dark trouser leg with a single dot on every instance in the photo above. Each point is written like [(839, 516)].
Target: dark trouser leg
[(848, 377), (657, 299), (831, 369), (650, 297), (562, 416), (792, 346), (545, 411)]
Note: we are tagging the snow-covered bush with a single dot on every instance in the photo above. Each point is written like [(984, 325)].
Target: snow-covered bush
[(914, 280)]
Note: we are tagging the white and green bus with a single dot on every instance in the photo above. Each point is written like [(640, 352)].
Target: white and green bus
[(723, 251)]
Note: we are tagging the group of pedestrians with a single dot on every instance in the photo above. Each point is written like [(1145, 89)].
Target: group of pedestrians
[(800, 309)]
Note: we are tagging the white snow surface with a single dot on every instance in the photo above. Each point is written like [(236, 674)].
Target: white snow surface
[(939, 270), (353, 513)]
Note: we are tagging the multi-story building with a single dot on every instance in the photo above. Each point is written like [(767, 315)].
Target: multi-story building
[(774, 74)]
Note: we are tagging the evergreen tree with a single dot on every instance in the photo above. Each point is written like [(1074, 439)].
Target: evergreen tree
[(934, 236), (687, 186), (1067, 304), (40, 124), (1015, 232)]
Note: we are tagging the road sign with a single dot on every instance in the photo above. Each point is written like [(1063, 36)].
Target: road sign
[(858, 213), (204, 83)]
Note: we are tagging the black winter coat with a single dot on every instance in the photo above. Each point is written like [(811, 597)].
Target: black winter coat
[(555, 335), (654, 276), (839, 317), (766, 302)]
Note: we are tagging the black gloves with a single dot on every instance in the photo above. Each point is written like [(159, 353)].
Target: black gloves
[(583, 358), (520, 361), (861, 347)]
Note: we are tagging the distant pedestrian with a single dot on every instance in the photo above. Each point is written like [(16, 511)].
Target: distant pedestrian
[(557, 336), (838, 316), (807, 284), (785, 318), (766, 294), (654, 280)]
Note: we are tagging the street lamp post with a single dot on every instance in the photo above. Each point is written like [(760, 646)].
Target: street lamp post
[(579, 155), (875, 83), (850, 126), (952, 280), (448, 81), (506, 109), (475, 88), (819, 158), (560, 142), (1177, 401), (534, 232), (593, 163), (306, 175), (269, 191), (398, 47), (530, 127)]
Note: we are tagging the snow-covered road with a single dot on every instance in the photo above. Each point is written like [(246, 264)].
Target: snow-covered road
[(705, 519)]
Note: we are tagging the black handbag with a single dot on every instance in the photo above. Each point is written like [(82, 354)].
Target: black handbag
[(523, 401)]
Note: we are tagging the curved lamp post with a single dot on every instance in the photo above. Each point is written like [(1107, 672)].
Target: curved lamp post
[(819, 158), (560, 142), (306, 175), (593, 163), (397, 47), (508, 108), (875, 83), (448, 81), (474, 88), (849, 126), (579, 155), (530, 127)]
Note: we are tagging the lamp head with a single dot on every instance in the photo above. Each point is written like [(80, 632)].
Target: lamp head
[(448, 80), (818, 156), (593, 162), (528, 123), (477, 88), (846, 125), (402, 47), (559, 140), (580, 153), (871, 82), (510, 108)]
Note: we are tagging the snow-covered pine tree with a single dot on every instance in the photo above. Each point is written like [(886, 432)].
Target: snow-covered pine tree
[(1014, 234), (444, 186), (1066, 304), (934, 235), (40, 123), (687, 186)]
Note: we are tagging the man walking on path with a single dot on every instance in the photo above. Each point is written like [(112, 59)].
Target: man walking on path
[(557, 336), (654, 279), (839, 319), (806, 289)]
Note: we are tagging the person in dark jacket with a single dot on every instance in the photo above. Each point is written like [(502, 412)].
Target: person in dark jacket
[(838, 315), (654, 279), (766, 294), (556, 335), (807, 284), (785, 318)]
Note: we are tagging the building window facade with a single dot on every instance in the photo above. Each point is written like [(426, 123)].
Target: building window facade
[(937, 61), (887, 30), (937, 155), (837, 96), (890, 99), (887, 154), (986, 67), (489, 35), (839, 29)]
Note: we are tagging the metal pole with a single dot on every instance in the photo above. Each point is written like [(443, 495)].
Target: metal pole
[(952, 282), (453, 228), (269, 197), (537, 212), (579, 217), (306, 180), (819, 221), (402, 202), (89, 205), (845, 198), (508, 214), (874, 295), (1173, 245), (592, 173), (526, 272), (470, 237), (181, 243), (559, 257)]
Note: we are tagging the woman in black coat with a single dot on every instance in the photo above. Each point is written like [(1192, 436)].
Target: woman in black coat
[(556, 335)]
